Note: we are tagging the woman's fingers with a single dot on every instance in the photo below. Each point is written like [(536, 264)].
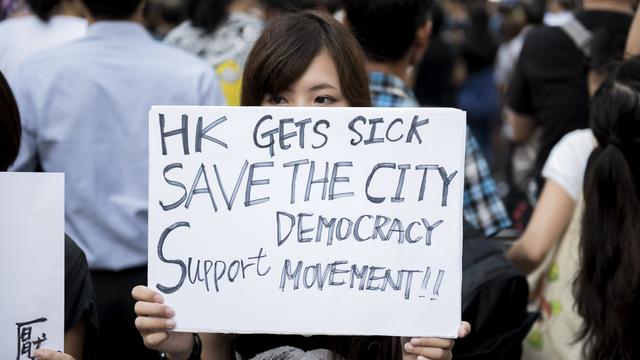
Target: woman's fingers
[(155, 339), (143, 293), (465, 329), (43, 354), (446, 344), (144, 308), (154, 324), (431, 353), (430, 348)]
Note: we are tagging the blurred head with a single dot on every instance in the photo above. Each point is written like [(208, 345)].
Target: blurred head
[(609, 275), (615, 112), (275, 7), (305, 59), (112, 9), (43, 9), (207, 14), (388, 29), (607, 51), (10, 128)]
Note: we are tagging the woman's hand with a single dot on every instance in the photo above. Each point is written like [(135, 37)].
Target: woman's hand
[(155, 320), (43, 354), (422, 348)]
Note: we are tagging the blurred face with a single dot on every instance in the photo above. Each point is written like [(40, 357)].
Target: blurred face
[(318, 86)]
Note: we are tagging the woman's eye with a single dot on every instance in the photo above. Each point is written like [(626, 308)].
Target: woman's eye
[(277, 100), (324, 100)]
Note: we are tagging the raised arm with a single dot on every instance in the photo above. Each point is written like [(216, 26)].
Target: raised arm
[(549, 221)]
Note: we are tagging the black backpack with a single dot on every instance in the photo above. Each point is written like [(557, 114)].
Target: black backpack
[(494, 301)]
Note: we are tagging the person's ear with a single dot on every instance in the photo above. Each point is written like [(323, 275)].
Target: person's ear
[(421, 42), (423, 34)]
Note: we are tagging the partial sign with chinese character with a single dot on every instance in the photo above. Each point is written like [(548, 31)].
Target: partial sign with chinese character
[(32, 269)]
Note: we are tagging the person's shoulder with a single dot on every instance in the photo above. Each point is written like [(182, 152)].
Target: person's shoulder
[(245, 20), (53, 57), (542, 36), (574, 148), (19, 22), (612, 20), (578, 140), (73, 254), (185, 29)]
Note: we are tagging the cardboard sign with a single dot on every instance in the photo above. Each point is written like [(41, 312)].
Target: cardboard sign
[(308, 220), (32, 268)]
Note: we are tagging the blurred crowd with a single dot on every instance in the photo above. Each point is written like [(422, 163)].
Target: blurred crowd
[(552, 94)]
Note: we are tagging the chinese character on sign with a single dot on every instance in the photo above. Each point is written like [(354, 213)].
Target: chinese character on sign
[(29, 339)]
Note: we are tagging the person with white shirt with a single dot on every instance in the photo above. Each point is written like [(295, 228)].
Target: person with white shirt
[(84, 108), (52, 23)]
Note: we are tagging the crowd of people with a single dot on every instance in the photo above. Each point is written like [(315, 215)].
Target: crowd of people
[(552, 95)]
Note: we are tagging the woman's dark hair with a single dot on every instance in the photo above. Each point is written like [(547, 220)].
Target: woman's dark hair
[(207, 14), (608, 282), (288, 45), (10, 129), (112, 9), (43, 9)]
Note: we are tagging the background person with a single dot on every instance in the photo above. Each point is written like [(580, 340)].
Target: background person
[(607, 280), (555, 230), (548, 89), (54, 22), (388, 61), (221, 37), (80, 315), (85, 109)]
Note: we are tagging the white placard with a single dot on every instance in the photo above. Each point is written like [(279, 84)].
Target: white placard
[(32, 268), (244, 239)]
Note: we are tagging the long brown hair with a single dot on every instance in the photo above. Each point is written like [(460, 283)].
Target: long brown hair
[(608, 282), (287, 47)]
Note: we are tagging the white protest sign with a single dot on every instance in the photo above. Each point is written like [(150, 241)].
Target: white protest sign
[(308, 220), (32, 268)]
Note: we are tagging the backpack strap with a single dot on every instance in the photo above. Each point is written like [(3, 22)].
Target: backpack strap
[(580, 35)]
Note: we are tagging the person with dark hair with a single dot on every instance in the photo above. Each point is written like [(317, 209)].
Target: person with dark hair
[(551, 238), (54, 22), (84, 109), (389, 57), (80, 315), (221, 37), (301, 59), (272, 68), (477, 91), (548, 90), (607, 283), (162, 16), (433, 85)]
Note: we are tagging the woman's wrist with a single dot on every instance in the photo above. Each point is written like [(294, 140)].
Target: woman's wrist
[(193, 353)]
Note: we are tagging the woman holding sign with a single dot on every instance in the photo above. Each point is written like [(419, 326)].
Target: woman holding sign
[(304, 59)]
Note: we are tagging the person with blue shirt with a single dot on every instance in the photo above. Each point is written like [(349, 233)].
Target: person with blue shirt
[(395, 34), (84, 109)]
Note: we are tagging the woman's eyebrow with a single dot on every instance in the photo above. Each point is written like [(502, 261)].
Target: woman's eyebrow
[(322, 86)]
